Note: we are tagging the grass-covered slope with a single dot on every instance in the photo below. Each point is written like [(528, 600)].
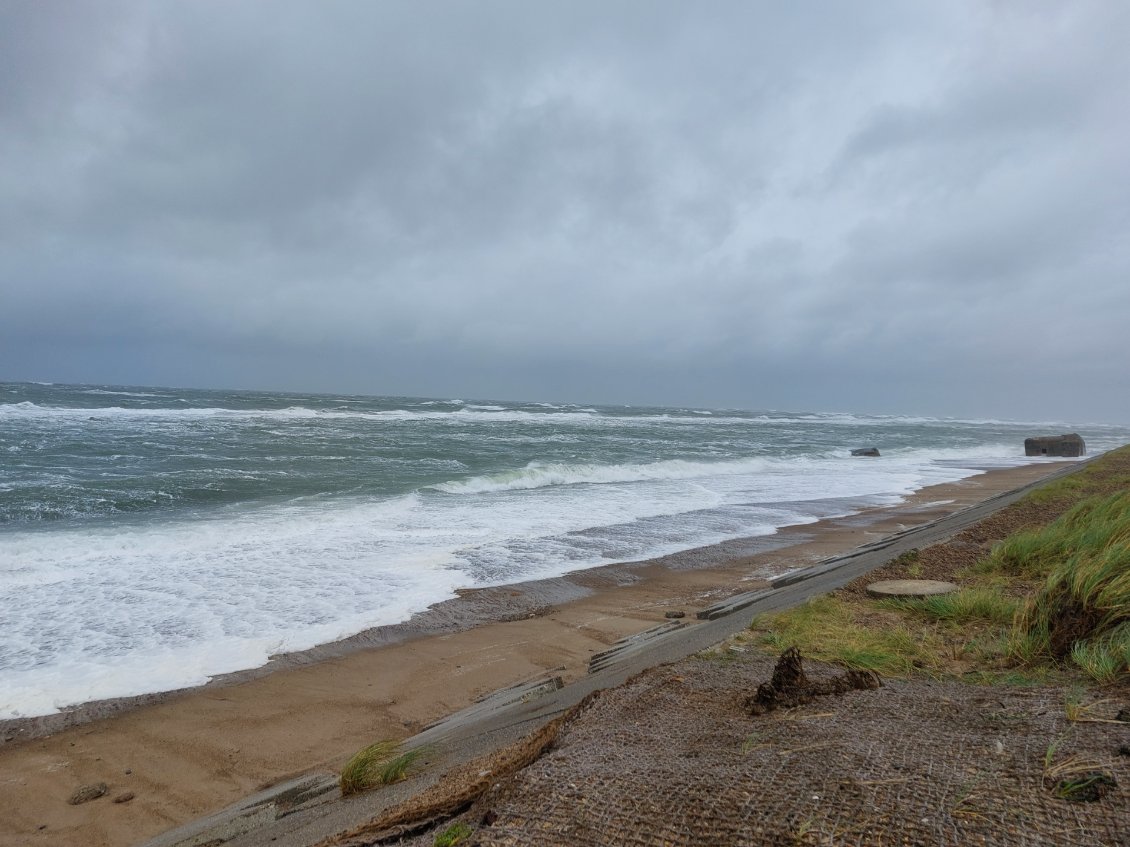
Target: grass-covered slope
[(1045, 589)]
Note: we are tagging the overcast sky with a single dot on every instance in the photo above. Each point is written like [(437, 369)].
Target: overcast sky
[(876, 207)]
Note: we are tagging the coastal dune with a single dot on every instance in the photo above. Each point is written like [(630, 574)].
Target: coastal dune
[(190, 753)]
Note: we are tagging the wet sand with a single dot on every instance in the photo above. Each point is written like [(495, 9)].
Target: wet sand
[(190, 753)]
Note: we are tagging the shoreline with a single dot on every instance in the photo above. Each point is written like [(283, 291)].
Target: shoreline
[(190, 752), (505, 603)]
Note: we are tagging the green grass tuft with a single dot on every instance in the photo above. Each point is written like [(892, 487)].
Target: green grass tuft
[(1082, 612), (396, 768), (454, 834), (378, 764), (964, 606), (1085, 788), (825, 628), (1104, 660)]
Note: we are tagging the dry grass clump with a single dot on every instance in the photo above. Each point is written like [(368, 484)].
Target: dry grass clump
[(1076, 779), (381, 763)]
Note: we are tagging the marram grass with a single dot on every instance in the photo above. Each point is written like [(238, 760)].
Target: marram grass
[(382, 763), (1082, 611), (964, 606), (1104, 660)]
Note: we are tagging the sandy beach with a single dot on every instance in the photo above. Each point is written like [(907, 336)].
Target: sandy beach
[(190, 753)]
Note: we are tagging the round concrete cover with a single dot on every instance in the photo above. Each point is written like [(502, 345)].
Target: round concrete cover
[(909, 588)]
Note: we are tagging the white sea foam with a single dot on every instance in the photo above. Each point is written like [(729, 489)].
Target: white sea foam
[(126, 609), (94, 614), (540, 475), (794, 468)]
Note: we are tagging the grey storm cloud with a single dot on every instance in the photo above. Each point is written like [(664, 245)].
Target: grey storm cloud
[(873, 206)]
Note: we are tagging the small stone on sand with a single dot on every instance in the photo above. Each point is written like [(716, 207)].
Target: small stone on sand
[(86, 793)]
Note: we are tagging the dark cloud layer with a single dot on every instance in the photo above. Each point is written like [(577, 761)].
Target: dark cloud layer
[(867, 206)]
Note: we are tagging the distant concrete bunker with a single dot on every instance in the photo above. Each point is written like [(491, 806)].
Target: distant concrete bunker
[(1055, 445)]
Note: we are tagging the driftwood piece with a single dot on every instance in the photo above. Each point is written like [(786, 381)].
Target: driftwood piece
[(791, 687)]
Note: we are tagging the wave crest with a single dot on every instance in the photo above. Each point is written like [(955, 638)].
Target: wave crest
[(545, 474)]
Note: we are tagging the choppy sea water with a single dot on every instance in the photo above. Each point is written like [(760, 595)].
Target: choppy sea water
[(151, 538)]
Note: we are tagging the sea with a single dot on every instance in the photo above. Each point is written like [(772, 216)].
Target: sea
[(151, 538)]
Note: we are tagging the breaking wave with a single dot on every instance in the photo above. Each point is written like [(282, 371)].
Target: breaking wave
[(542, 475)]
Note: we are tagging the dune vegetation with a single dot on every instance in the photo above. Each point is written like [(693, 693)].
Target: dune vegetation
[(1082, 611), (1045, 591)]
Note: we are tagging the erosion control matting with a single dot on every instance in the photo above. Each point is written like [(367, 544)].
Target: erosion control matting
[(674, 758)]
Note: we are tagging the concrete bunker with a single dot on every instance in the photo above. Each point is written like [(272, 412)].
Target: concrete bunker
[(1055, 445)]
